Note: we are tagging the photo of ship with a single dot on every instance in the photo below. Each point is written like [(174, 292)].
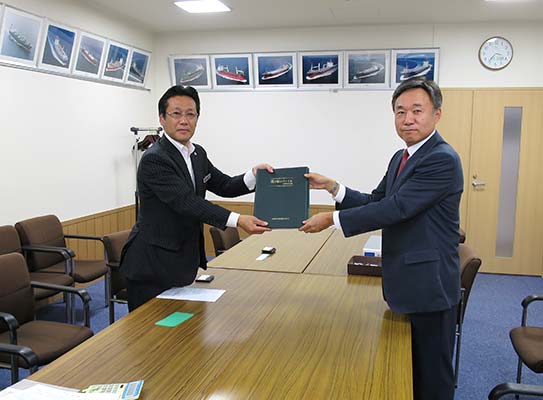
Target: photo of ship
[(283, 69), (318, 71), (89, 56), (191, 73), (116, 62), (368, 70), (138, 67), (20, 34), (58, 47), (232, 70), (410, 64), (19, 39), (238, 76)]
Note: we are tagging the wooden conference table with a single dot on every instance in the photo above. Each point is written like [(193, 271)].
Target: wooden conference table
[(270, 336)]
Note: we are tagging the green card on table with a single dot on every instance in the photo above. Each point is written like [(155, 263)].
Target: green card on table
[(174, 319)]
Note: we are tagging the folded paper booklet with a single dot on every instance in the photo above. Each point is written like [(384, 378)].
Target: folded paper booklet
[(282, 198), (364, 265)]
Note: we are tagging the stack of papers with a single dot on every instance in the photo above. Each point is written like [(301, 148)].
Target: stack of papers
[(45, 392)]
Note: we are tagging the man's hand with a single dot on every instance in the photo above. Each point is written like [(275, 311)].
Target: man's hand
[(252, 224), (317, 222), (318, 181), (267, 167)]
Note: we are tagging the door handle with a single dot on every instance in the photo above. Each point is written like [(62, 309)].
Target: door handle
[(476, 184)]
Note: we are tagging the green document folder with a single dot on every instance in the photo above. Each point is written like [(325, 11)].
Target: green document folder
[(174, 319), (282, 198)]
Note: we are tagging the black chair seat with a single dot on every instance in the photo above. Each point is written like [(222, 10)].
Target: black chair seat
[(48, 339), (528, 343)]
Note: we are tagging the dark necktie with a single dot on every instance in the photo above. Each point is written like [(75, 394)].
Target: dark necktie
[(405, 156)]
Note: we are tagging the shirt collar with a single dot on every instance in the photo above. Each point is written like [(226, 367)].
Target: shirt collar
[(412, 149), (184, 150)]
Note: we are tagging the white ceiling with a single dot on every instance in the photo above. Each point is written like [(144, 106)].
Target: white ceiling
[(163, 15)]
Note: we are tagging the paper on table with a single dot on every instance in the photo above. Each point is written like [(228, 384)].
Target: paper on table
[(42, 392), (194, 294)]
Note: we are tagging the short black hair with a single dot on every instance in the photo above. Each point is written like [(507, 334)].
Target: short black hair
[(178, 90), (420, 82)]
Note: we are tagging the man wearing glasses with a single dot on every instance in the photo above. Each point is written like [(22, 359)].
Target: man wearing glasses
[(166, 246)]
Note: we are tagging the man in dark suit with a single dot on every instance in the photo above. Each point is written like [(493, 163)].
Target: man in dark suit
[(166, 245), (417, 207)]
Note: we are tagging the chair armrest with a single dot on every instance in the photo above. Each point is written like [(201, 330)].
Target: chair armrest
[(82, 293), (22, 351), (113, 265), (526, 302), (12, 324), (84, 237), (65, 252)]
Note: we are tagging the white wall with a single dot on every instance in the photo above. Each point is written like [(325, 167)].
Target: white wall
[(348, 135), (65, 143)]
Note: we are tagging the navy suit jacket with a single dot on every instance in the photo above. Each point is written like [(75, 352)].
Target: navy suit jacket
[(418, 212), (166, 246)]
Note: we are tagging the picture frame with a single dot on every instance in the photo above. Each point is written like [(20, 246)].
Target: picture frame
[(137, 67), (116, 60), (90, 55), (58, 48), (20, 37), (320, 70), (192, 70), (275, 71), (232, 71), (367, 69), (408, 63)]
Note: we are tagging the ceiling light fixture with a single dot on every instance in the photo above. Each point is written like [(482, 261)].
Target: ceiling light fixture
[(202, 6)]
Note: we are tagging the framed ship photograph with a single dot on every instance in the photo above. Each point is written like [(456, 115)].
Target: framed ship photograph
[(190, 70), (232, 71), (408, 63), (116, 61), (58, 48), (20, 37), (275, 70), (367, 69), (89, 55), (320, 70), (137, 70)]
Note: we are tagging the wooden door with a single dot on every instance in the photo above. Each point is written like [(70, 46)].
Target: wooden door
[(486, 175)]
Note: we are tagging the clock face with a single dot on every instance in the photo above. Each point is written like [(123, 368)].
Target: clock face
[(496, 53)]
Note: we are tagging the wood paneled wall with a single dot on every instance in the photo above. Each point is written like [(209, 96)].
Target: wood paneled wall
[(124, 218)]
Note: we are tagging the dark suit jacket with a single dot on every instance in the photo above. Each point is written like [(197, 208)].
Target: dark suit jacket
[(419, 214), (166, 245)]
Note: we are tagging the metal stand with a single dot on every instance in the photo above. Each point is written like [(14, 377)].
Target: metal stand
[(136, 148)]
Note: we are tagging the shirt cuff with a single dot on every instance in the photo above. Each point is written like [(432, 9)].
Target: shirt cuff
[(337, 223), (340, 195), (232, 220), (249, 179)]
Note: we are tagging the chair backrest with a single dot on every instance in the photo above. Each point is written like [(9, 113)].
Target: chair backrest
[(16, 296), (45, 230), (223, 240), (113, 245), (469, 265), (9, 240)]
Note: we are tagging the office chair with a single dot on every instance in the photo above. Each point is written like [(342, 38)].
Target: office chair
[(223, 240), (25, 342), (469, 265), (528, 344), (113, 245), (47, 230), (462, 234)]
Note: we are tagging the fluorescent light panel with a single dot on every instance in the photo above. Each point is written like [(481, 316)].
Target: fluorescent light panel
[(202, 6)]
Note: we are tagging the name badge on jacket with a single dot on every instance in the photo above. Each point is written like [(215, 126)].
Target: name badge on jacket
[(207, 177)]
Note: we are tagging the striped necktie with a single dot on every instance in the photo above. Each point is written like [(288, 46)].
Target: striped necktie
[(405, 156)]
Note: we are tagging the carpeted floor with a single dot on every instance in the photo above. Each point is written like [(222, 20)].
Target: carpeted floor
[(487, 357)]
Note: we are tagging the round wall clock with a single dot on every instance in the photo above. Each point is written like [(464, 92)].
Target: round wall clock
[(496, 53)]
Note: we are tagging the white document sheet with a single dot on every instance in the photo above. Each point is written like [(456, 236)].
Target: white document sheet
[(43, 392), (191, 293)]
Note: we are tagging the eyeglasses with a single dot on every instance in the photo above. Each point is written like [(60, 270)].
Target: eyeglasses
[(189, 115)]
